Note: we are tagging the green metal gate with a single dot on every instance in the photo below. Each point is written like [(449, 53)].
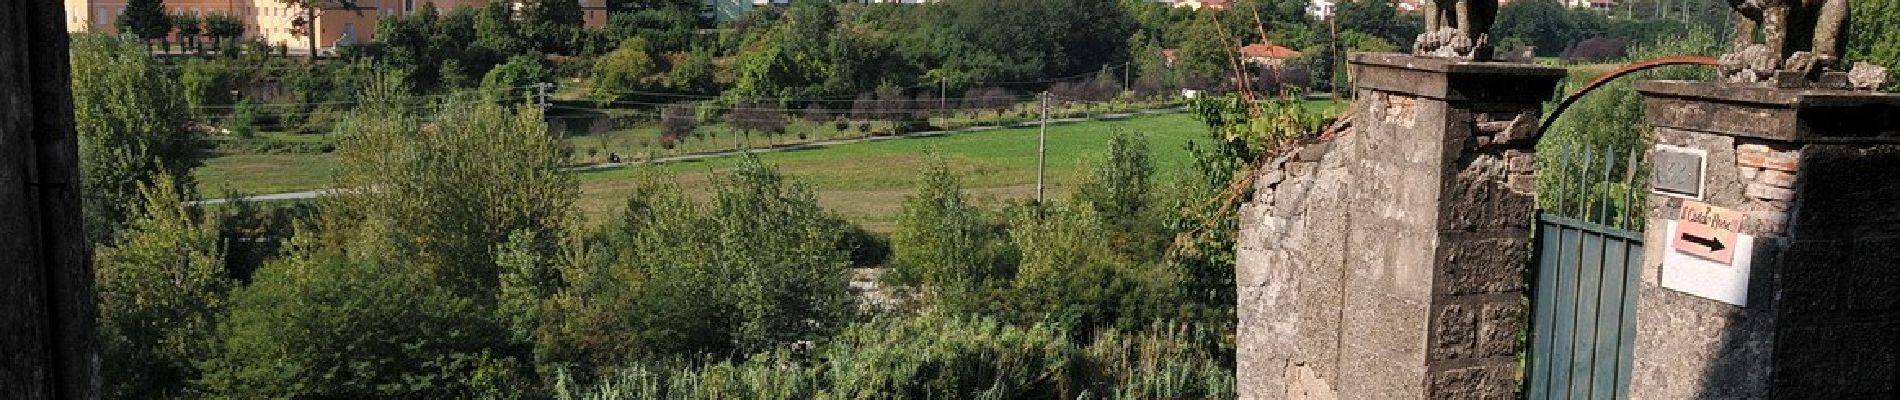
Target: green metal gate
[(1589, 255)]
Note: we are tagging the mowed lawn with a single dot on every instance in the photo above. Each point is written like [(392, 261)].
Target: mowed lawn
[(254, 174), (867, 182), (864, 182)]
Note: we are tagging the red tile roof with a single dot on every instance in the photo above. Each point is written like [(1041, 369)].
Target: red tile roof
[(1268, 50)]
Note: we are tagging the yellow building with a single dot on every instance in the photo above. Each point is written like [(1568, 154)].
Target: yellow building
[(270, 20)]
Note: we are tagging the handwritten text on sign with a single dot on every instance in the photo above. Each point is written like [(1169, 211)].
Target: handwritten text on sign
[(1707, 231)]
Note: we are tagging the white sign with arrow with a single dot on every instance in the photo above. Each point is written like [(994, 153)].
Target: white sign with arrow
[(1706, 257)]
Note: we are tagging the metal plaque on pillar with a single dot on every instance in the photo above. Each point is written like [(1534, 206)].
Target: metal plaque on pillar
[(1678, 171)]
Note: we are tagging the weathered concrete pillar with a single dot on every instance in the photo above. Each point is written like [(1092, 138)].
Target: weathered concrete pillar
[(1813, 311), (1389, 263)]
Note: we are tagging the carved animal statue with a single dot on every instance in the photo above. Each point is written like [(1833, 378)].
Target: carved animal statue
[(1798, 35), (1457, 28)]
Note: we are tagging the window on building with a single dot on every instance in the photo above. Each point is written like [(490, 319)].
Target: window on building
[(408, 6)]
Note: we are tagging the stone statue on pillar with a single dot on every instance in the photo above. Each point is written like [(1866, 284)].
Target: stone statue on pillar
[(1800, 44), (1457, 29)]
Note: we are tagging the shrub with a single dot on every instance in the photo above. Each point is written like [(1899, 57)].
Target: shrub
[(316, 325), (942, 241), (677, 278), (161, 289)]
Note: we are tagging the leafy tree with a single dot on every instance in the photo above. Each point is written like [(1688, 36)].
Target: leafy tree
[(224, 29), (694, 74), (622, 72), (304, 24), (1549, 26), (243, 120), (552, 24), (1121, 191), (131, 122), (678, 278), (678, 120), (145, 19), (1381, 19), (449, 191), (318, 325), (515, 76), (756, 117), (188, 27), (667, 29), (1204, 54), (943, 242), (161, 290), (207, 83)]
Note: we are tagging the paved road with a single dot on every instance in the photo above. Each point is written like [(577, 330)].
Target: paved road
[(311, 194)]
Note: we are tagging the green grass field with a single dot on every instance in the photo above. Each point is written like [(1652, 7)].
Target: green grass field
[(867, 182), (864, 182)]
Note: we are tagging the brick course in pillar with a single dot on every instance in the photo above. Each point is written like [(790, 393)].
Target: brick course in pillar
[(1389, 263)]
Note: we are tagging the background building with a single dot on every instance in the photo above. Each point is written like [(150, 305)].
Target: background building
[(270, 20)]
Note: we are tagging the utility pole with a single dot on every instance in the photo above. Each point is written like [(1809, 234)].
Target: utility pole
[(1042, 145)]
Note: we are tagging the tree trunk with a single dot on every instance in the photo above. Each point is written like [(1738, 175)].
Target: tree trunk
[(47, 343), (310, 27)]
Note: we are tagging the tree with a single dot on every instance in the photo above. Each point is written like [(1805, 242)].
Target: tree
[(694, 74), (146, 19), (448, 191), (756, 117), (318, 325), (942, 242), (1549, 26), (685, 279), (305, 24), (678, 121), (188, 26), (206, 84), (515, 76), (552, 24), (225, 29), (131, 121), (161, 290), (623, 72)]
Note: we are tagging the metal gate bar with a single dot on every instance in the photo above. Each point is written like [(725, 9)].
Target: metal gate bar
[(1583, 302)]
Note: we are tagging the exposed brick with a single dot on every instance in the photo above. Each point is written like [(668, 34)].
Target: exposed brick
[(1775, 178), (1757, 159), (1782, 161), (1750, 172), (1753, 147), (1765, 192)]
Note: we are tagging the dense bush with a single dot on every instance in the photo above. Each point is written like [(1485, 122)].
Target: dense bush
[(316, 325), (451, 189), (755, 269), (161, 286)]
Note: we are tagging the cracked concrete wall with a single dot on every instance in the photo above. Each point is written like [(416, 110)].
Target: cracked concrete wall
[(1388, 263)]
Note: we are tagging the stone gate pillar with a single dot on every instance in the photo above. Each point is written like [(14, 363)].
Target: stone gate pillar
[(1389, 263), (1811, 308)]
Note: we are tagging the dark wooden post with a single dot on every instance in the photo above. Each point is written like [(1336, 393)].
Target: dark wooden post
[(47, 308)]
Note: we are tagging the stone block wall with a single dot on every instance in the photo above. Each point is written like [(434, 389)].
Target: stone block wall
[(1822, 195), (1389, 262)]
